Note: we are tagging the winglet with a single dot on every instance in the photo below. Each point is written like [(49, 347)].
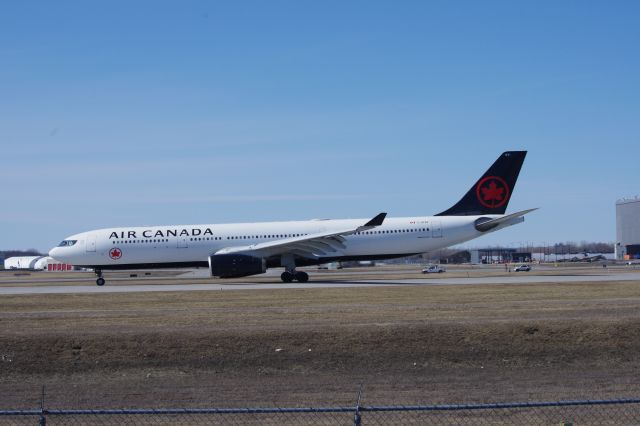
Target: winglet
[(376, 221)]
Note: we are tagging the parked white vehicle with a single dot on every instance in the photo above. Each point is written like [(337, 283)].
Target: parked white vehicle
[(435, 269)]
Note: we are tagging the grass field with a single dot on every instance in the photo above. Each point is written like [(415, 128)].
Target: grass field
[(406, 345)]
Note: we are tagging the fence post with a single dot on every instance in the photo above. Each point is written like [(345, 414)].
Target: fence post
[(357, 419), (43, 419)]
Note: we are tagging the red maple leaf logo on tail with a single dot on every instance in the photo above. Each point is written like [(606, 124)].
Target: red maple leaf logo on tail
[(492, 192)]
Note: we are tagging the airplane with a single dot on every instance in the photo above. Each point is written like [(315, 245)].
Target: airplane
[(245, 249)]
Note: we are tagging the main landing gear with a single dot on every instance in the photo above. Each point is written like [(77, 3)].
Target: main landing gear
[(301, 277), (100, 281), (290, 272)]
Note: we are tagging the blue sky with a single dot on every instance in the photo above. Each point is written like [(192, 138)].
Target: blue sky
[(141, 113)]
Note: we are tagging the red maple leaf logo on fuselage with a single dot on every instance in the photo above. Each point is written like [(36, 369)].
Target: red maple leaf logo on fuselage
[(115, 253)]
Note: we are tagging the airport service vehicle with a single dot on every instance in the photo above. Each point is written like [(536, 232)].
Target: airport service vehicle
[(244, 249), (435, 269), (522, 268)]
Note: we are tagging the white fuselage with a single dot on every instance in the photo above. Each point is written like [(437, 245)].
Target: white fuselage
[(193, 244)]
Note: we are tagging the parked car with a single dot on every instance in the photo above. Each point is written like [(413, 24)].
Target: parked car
[(522, 268), (435, 269)]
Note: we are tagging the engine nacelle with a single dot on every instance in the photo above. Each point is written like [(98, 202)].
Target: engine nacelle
[(236, 265)]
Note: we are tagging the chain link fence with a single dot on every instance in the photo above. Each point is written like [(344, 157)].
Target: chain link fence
[(584, 412)]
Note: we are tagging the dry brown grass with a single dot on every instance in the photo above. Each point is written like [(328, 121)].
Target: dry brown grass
[(407, 344)]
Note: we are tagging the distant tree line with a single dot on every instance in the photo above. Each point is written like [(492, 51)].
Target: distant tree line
[(570, 247), (462, 255), (5, 254)]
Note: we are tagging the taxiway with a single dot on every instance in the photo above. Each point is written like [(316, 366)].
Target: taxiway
[(188, 285)]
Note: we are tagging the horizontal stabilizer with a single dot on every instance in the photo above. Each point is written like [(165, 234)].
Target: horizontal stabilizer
[(485, 224)]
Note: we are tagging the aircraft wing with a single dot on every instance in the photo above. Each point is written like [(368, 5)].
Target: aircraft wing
[(310, 246)]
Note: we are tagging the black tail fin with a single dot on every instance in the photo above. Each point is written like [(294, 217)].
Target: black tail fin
[(491, 193)]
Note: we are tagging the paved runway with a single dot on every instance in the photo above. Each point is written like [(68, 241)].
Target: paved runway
[(519, 279)]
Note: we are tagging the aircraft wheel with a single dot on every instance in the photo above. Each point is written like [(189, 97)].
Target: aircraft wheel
[(286, 277), (302, 277), (100, 281)]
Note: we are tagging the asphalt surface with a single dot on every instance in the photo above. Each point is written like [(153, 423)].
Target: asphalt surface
[(523, 278)]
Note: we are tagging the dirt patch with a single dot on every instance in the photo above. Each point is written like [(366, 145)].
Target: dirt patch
[(361, 350)]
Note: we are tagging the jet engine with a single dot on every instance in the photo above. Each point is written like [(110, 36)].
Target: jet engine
[(236, 265)]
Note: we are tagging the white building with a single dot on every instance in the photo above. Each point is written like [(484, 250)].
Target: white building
[(43, 263), (628, 229), (22, 262)]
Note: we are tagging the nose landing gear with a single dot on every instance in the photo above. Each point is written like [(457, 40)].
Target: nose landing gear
[(99, 281)]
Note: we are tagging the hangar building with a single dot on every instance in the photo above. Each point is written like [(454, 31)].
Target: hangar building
[(628, 229), (22, 262), (499, 255), (36, 263)]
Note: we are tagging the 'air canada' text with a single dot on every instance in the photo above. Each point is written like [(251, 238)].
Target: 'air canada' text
[(149, 233)]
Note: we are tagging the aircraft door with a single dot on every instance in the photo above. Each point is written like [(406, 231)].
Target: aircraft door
[(91, 243), (182, 242), (436, 229)]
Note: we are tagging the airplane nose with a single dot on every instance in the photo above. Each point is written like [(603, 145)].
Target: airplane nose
[(53, 252)]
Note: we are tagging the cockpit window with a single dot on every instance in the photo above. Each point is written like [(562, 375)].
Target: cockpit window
[(67, 243)]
